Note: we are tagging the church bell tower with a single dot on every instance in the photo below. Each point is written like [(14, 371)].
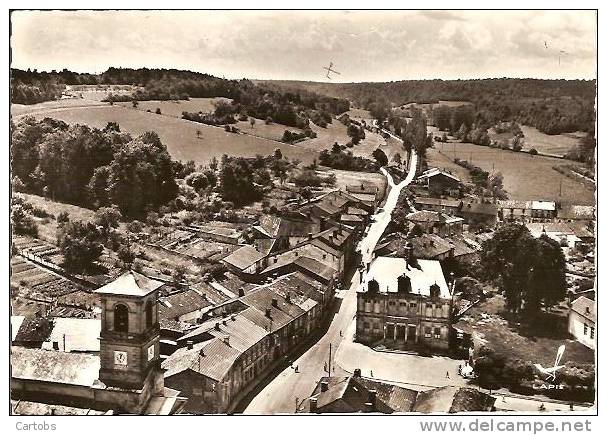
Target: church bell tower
[(129, 348)]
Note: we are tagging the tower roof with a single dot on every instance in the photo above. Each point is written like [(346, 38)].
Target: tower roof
[(130, 283)]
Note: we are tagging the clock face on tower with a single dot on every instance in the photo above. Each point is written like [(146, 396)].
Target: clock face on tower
[(120, 358), (151, 353)]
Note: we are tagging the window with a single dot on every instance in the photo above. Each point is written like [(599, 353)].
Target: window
[(391, 303), (366, 325), (436, 332), (585, 328), (403, 304), (149, 313), (413, 305), (427, 332), (592, 332), (121, 318)]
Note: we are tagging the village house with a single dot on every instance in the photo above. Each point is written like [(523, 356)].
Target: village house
[(432, 222), (222, 359), (404, 303), (355, 394), (285, 231), (527, 211), (449, 206), (582, 321), (427, 247), (184, 306), (439, 182), (125, 376), (245, 262), (576, 213)]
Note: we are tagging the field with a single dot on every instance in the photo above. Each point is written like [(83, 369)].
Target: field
[(337, 132), (47, 228), (178, 135), (175, 108), (557, 144), (49, 107), (352, 178), (525, 176)]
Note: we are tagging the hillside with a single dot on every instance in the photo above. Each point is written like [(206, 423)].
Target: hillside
[(552, 106)]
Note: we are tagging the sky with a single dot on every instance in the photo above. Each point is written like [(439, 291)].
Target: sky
[(295, 45)]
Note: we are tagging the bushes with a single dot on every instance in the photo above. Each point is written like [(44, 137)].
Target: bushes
[(338, 159), (533, 152)]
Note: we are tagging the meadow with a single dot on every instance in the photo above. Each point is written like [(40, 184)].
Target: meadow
[(525, 176), (179, 135), (555, 145), (175, 108)]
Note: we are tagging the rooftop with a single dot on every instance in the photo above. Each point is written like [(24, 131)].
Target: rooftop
[(131, 283), (452, 399), (386, 270), (584, 306), (244, 257), (178, 304), (75, 335), (56, 367), (433, 172)]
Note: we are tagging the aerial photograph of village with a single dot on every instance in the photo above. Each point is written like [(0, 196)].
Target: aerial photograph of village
[(302, 212)]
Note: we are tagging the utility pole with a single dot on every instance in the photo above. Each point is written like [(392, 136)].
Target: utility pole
[(330, 359)]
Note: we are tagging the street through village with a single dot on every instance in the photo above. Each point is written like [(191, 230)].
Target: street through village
[(290, 386)]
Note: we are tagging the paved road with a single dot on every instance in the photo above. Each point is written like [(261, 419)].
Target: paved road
[(279, 396)]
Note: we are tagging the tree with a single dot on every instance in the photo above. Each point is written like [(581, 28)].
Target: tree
[(252, 121), (80, 244), (22, 222), (356, 133), (277, 154), (380, 157), (197, 180), (530, 271), (158, 112), (107, 218), (135, 104), (495, 185), (397, 159), (179, 273)]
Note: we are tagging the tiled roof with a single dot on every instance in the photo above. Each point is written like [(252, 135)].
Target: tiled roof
[(350, 218), (362, 188), (576, 212), (585, 307), (131, 283), (321, 244), (244, 257), (353, 395), (479, 208), (178, 304), (433, 172), (56, 367), (452, 399), (282, 314), (421, 200), (357, 211), (212, 358), (34, 329), (315, 267)]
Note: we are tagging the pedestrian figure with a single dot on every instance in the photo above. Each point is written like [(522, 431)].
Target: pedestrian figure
[(447, 376), (571, 406), (542, 407), (371, 373), (325, 366), (340, 334), (503, 398), (459, 369), (296, 369)]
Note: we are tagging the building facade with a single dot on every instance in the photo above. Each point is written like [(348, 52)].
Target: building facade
[(404, 304)]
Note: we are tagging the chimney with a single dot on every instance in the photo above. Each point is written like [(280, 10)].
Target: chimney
[(241, 292), (275, 302), (226, 340), (225, 322), (313, 404), (217, 326), (288, 298), (357, 373), (371, 401), (324, 386), (310, 236), (190, 344), (268, 312), (233, 318)]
